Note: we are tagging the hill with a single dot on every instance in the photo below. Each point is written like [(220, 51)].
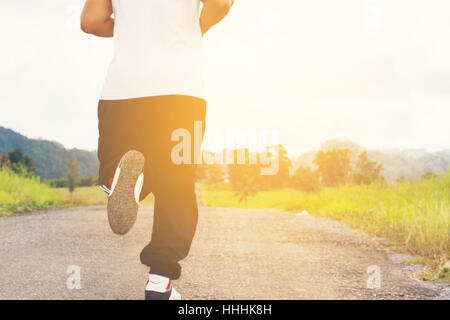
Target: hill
[(49, 157), (396, 163)]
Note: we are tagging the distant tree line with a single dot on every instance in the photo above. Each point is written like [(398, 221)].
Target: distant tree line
[(23, 165), (80, 182), (334, 167), (19, 163)]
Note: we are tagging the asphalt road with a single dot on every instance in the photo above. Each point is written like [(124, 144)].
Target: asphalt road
[(236, 254)]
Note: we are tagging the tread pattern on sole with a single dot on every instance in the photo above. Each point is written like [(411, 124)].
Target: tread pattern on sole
[(122, 207)]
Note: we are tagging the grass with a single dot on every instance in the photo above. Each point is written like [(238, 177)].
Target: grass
[(444, 275), (414, 216), (20, 194), (431, 268), (92, 196)]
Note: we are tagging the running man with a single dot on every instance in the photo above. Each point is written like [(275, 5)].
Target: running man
[(153, 87)]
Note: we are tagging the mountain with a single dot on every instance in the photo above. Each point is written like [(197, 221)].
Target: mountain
[(49, 157), (396, 163)]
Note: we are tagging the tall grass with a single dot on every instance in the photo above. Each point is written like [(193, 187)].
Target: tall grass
[(413, 215), (20, 194)]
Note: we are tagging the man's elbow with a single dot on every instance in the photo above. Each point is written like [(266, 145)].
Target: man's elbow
[(86, 26), (89, 25), (223, 6)]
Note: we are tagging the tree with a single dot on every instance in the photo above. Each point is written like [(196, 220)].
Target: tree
[(244, 176), (305, 179), (72, 176), (21, 164), (242, 169), (214, 174), (366, 171), (246, 187), (209, 170), (87, 181), (333, 166), (59, 183), (4, 161), (281, 177)]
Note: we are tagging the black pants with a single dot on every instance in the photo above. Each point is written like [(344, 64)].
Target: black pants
[(146, 125)]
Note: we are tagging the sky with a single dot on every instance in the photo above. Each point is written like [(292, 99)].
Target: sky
[(375, 72)]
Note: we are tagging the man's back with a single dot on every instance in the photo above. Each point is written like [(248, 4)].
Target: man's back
[(158, 49)]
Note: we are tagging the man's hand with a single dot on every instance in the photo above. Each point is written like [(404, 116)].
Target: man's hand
[(213, 12), (96, 18)]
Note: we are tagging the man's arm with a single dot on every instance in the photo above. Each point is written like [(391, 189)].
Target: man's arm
[(96, 18), (213, 12)]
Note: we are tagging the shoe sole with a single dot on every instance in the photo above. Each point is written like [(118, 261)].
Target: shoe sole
[(122, 206)]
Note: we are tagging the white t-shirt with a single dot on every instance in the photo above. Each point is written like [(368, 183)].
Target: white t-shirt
[(157, 50)]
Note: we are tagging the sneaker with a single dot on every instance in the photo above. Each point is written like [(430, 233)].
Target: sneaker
[(160, 288), (126, 186)]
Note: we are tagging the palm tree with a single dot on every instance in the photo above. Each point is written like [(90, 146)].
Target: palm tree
[(245, 188)]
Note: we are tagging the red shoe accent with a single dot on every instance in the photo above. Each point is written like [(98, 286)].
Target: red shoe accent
[(168, 285), (111, 182)]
